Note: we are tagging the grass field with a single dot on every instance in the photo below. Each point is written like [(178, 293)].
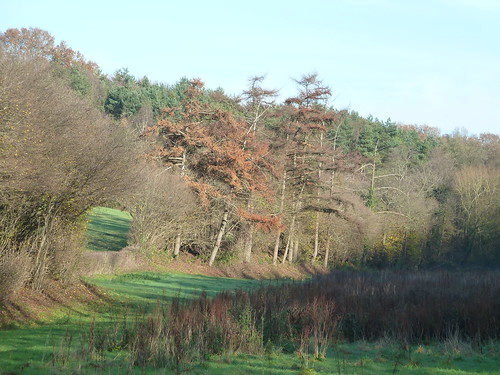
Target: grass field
[(41, 349), (58, 346), (53, 348), (107, 229)]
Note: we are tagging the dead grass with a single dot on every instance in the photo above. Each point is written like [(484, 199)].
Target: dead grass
[(187, 263), (34, 307)]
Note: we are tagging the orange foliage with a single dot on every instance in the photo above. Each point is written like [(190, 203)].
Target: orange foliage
[(205, 191), (36, 43), (266, 223)]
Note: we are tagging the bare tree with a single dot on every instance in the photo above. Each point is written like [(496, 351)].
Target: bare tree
[(59, 155)]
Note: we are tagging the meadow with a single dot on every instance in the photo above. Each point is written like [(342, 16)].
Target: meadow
[(63, 344), (99, 338), (107, 229)]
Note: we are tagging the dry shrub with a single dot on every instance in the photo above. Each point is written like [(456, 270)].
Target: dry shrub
[(109, 262), (162, 208), (67, 252), (59, 156), (308, 317), (14, 273)]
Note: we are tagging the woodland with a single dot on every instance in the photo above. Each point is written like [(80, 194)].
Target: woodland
[(227, 179), (400, 222)]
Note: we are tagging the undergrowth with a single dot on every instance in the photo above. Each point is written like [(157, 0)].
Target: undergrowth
[(308, 319)]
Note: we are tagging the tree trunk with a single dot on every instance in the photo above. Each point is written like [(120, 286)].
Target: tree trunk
[(276, 248), (177, 247), (42, 250), (295, 253), (219, 237), (291, 255), (318, 192), (316, 239), (247, 251), (282, 206), (249, 229), (291, 233), (371, 194), (327, 249)]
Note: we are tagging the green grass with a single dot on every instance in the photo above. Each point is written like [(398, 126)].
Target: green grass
[(32, 348), (146, 288), (108, 229), (41, 349)]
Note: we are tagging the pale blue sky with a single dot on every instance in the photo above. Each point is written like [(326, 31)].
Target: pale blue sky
[(424, 62)]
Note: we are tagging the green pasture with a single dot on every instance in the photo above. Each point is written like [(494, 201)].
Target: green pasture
[(41, 348), (147, 288), (107, 229)]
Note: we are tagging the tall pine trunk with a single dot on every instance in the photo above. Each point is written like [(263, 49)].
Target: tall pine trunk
[(249, 229), (327, 246), (318, 192), (219, 237), (247, 250), (316, 239), (291, 235), (282, 206), (177, 246)]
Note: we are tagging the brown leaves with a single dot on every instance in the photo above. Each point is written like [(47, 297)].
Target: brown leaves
[(35, 43), (215, 143), (266, 223), (205, 191)]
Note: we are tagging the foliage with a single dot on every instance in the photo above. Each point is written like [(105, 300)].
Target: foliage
[(161, 209), (321, 184), (62, 344)]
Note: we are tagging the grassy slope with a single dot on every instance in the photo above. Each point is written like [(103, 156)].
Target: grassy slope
[(41, 349), (34, 347), (108, 229)]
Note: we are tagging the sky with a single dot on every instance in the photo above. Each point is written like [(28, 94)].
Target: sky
[(417, 62)]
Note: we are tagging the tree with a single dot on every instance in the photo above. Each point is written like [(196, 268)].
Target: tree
[(477, 190), (161, 208), (307, 118), (59, 157), (35, 43), (258, 104), (212, 149)]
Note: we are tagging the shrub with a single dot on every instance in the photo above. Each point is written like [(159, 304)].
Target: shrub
[(14, 273), (59, 156)]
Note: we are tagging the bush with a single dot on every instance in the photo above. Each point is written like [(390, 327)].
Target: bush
[(59, 156), (162, 209), (14, 273)]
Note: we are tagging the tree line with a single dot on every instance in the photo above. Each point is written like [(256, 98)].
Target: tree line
[(228, 178)]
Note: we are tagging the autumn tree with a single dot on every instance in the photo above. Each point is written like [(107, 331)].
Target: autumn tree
[(35, 43), (161, 206), (306, 121), (258, 104), (211, 147), (477, 192)]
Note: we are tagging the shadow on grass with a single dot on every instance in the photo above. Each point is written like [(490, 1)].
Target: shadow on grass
[(147, 288), (108, 229)]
